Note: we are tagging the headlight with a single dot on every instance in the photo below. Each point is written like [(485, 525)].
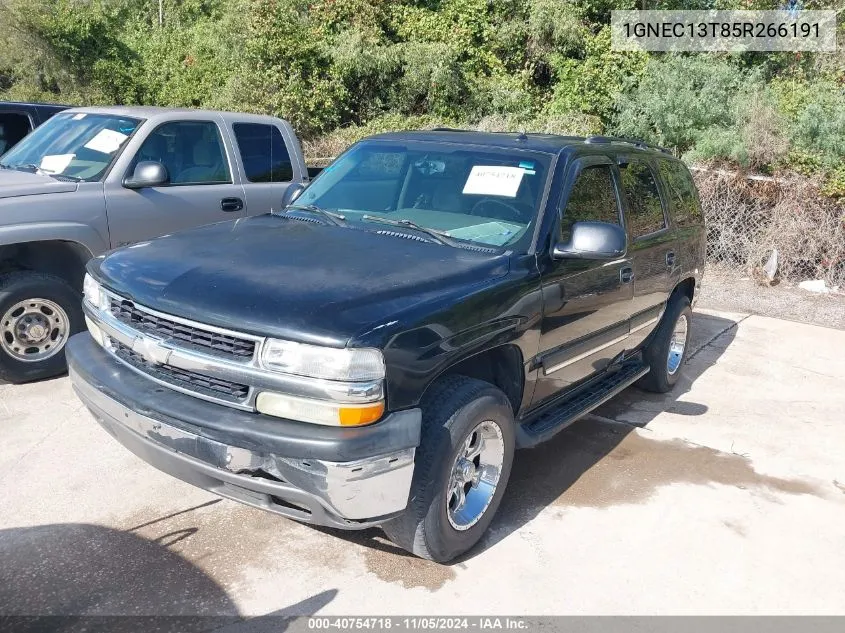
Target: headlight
[(94, 294), (315, 361)]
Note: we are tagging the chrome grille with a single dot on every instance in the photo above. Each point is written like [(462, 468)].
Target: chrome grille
[(207, 385), (221, 345)]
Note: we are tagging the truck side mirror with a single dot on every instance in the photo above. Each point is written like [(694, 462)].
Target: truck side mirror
[(292, 193), (593, 240), (147, 173)]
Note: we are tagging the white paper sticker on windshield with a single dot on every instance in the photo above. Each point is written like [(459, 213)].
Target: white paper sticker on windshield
[(494, 180), (78, 116), (106, 141), (55, 163)]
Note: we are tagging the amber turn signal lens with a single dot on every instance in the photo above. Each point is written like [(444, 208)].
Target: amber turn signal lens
[(358, 416)]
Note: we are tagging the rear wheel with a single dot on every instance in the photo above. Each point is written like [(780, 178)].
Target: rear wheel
[(462, 467), (38, 314), (667, 351)]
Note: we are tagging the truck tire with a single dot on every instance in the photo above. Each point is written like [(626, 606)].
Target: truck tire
[(462, 467), (666, 352), (38, 313)]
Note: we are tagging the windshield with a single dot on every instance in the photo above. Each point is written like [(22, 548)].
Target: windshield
[(478, 194), (77, 145)]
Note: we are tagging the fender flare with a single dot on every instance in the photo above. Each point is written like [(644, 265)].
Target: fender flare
[(74, 232)]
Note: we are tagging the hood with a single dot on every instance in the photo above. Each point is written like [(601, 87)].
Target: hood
[(291, 279), (22, 183)]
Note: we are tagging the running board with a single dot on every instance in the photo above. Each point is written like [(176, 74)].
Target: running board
[(579, 404)]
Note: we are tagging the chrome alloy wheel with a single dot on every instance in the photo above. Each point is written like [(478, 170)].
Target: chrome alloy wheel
[(34, 330), (475, 475), (677, 344)]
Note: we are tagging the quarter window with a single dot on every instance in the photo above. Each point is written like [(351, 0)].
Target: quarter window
[(593, 198), (192, 152), (645, 211), (263, 152)]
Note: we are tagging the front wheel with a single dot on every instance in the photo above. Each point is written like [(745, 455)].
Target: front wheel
[(462, 467), (38, 313)]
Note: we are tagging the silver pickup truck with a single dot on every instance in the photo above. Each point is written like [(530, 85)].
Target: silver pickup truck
[(92, 179)]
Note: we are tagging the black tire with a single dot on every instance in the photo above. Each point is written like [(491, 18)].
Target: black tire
[(659, 379), (23, 285), (452, 408)]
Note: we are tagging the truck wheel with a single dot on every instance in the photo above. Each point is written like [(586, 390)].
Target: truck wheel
[(667, 351), (38, 313), (462, 467)]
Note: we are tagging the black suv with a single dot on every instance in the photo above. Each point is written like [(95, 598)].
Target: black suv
[(374, 352)]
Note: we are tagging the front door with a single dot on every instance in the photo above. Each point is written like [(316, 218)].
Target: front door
[(586, 304), (201, 189)]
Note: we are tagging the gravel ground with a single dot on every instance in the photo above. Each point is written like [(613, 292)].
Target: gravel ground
[(783, 301)]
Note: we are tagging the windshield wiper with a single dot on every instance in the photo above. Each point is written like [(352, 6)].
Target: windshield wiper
[(441, 237), (35, 169), (335, 218), (23, 167)]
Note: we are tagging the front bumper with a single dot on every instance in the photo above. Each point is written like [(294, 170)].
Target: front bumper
[(339, 477)]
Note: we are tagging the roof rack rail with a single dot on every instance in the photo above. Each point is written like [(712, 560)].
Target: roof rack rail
[(448, 129), (630, 141)]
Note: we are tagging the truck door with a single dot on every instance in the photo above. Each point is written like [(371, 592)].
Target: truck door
[(650, 244), (586, 304), (266, 164), (204, 186)]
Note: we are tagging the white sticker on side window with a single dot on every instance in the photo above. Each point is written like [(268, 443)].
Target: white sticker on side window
[(55, 163), (494, 180), (106, 141)]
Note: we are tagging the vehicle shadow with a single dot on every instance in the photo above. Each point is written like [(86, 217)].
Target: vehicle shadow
[(547, 475), (80, 577)]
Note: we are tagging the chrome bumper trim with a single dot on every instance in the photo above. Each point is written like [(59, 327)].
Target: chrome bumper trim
[(355, 491)]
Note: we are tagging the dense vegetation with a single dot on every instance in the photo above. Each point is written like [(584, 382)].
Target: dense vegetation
[(341, 68)]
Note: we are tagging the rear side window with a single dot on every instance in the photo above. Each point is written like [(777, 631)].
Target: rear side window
[(683, 199), (13, 127), (593, 198), (645, 210), (263, 152)]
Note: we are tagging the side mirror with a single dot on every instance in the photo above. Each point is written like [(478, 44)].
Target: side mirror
[(593, 240), (147, 173), (292, 193)]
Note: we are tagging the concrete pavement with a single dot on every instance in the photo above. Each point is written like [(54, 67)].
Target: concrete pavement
[(725, 496)]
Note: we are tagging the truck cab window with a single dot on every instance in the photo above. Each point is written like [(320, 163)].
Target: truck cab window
[(263, 152), (192, 152)]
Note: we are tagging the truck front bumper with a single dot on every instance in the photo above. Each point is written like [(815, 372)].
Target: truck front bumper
[(348, 478)]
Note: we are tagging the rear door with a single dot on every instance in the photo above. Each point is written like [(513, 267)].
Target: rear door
[(651, 244), (203, 188), (586, 304), (266, 164)]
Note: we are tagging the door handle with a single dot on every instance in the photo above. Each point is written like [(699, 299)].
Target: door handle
[(626, 275), (670, 259), (231, 204)]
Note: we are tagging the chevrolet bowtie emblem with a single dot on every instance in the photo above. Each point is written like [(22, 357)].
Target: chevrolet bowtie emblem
[(151, 350)]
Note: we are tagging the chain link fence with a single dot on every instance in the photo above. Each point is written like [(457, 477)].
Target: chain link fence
[(750, 217)]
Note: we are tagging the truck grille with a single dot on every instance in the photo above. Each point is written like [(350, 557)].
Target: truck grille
[(199, 383), (221, 345)]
